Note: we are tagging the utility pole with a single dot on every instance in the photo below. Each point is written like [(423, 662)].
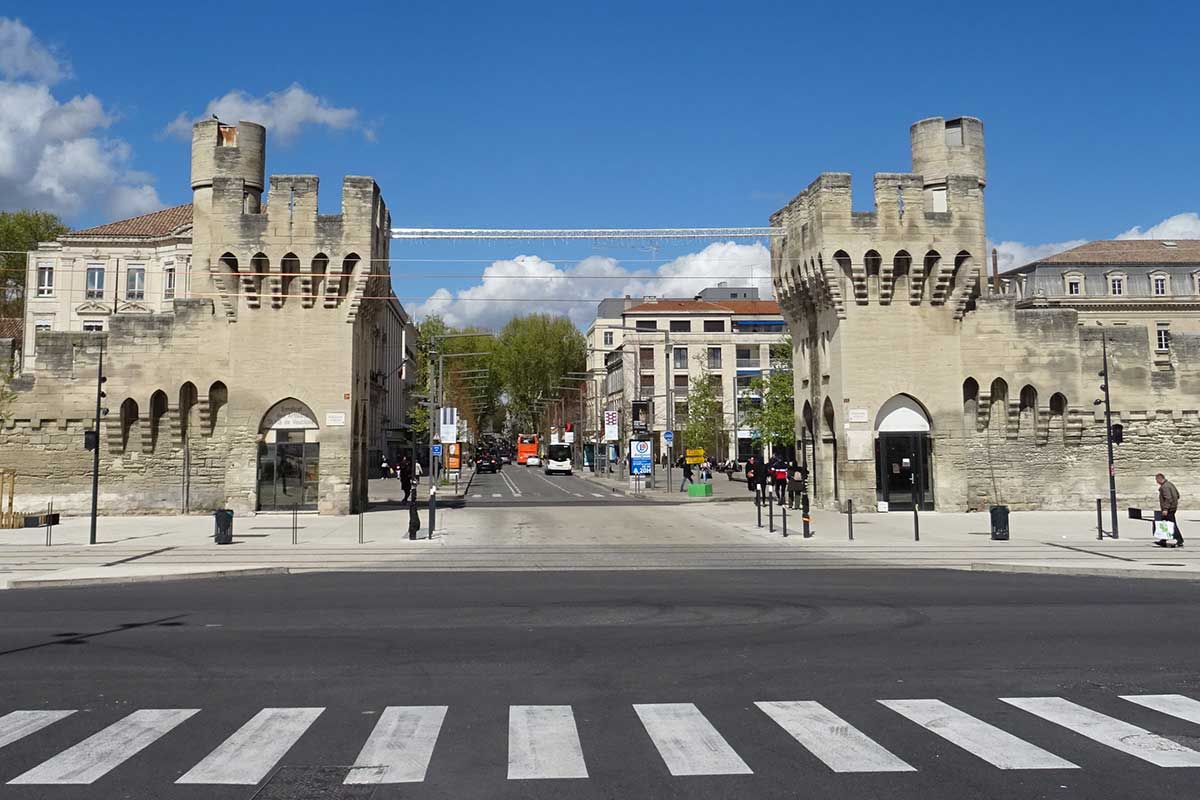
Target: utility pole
[(1108, 435), (93, 442)]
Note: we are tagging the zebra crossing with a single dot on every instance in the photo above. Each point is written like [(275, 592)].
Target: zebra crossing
[(544, 740)]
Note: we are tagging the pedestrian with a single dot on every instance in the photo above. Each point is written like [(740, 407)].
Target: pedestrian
[(705, 471), (778, 478), (687, 474), (797, 476), (753, 471), (406, 479), (1168, 503), (385, 469)]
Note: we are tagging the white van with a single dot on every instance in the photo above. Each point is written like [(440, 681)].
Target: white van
[(558, 459)]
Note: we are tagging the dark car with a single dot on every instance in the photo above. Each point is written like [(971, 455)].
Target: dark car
[(487, 462)]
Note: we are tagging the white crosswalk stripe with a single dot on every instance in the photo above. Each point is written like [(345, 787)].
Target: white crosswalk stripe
[(830, 738), (19, 724), (998, 748), (688, 742), (98, 754), (400, 746), (1174, 704), (254, 749), (1108, 731), (543, 742), (597, 494)]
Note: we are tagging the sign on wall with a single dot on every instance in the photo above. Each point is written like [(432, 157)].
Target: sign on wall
[(612, 432), (335, 419)]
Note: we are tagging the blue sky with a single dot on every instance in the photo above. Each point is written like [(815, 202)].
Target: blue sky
[(631, 115)]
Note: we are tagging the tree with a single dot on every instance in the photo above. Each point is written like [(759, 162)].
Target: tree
[(774, 417), (533, 354), (705, 415), (20, 232)]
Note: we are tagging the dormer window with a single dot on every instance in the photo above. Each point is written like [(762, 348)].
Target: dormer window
[(1073, 283), (1160, 284), (1116, 284)]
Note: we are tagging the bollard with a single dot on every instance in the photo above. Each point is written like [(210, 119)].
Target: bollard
[(916, 524), (770, 511), (758, 507), (49, 527), (295, 507), (850, 518), (784, 511), (360, 528), (1099, 519), (414, 520), (805, 519)]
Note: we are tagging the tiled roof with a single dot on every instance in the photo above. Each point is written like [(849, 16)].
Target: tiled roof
[(151, 226), (1130, 251), (667, 306)]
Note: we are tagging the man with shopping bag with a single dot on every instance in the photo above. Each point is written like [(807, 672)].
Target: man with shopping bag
[(1168, 504)]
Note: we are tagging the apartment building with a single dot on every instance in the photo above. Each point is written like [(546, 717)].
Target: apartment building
[(651, 349)]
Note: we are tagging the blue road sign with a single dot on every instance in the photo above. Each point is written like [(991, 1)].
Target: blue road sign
[(669, 437), (437, 449)]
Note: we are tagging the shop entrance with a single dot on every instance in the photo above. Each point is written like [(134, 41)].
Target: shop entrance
[(289, 463), (904, 456)]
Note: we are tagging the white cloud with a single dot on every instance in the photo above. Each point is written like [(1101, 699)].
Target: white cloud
[(1180, 226), (23, 56), (1011, 255), (283, 113), (53, 154), (509, 288)]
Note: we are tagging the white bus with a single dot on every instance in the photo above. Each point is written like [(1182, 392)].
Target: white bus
[(558, 459)]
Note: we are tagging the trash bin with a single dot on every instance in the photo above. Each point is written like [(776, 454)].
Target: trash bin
[(999, 523), (223, 526)]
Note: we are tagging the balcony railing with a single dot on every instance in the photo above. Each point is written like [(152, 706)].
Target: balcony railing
[(749, 363)]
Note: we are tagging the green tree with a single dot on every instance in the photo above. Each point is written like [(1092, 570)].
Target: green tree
[(774, 418), (20, 231), (705, 415), (533, 355)]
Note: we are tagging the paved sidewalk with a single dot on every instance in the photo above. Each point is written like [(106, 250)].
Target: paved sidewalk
[(724, 490)]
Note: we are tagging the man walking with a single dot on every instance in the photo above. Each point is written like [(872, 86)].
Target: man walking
[(687, 473), (406, 478), (752, 472), (1168, 503)]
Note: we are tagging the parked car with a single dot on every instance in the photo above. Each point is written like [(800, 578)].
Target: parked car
[(505, 458), (533, 461), (487, 462)]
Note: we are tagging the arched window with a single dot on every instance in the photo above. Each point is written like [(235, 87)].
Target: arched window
[(348, 265), (1058, 404), (962, 267), (872, 262), (188, 398), (929, 272), (320, 265), (901, 266), (158, 411), (847, 271), (970, 390), (999, 400), (218, 397), (1028, 408), (289, 267), (252, 285), (129, 421)]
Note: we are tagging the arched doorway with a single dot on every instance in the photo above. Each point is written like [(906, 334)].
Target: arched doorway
[(903, 455), (288, 458)]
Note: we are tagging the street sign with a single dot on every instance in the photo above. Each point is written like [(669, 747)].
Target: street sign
[(694, 455), (611, 431), (437, 450), (641, 457), (668, 439), (449, 425)]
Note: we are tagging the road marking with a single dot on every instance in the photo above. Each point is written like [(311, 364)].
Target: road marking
[(543, 742), (830, 738), (597, 494), (1174, 704), (254, 749), (512, 485), (400, 746), (496, 494), (577, 494), (103, 751), (688, 742), (1108, 731), (476, 495), (19, 724), (552, 483), (997, 747)]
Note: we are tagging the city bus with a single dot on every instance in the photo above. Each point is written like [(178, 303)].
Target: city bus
[(527, 445)]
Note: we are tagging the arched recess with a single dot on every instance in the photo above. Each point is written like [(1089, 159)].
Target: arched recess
[(959, 279), (872, 262), (129, 422), (320, 266), (288, 457), (902, 414), (901, 267), (289, 268), (842, 260), (970, 393), (904, 454), (998, 414), (158, 413), (260, 266), (229, 264), (829, 445), (1058, 413), (929, 272), (188, 397), (1027, 416), (218, 398), (348, 265)]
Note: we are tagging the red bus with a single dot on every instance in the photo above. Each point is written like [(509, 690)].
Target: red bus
[(527, 445)]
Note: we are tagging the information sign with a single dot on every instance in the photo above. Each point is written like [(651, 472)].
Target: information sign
[(641, 457), (694, 455)]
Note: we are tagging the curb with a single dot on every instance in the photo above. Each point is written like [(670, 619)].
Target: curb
[(1086, 571), (49, 583)]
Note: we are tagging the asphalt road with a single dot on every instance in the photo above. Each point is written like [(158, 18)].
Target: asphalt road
[(516, 485), (652, 675)]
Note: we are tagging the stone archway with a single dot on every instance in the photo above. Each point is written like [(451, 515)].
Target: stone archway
[(904, 454), (289, 460)]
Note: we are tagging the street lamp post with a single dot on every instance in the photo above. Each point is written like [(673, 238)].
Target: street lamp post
[(1108, 435), (94, 441)]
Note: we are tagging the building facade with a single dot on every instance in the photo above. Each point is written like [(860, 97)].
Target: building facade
[(654, 348), (918, 384), (259, 363)]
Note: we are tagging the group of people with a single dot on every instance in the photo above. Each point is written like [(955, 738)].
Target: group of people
[(409, 473), (785, 479), (689, 472)]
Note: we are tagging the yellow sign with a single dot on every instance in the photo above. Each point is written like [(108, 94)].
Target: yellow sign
[(694, 455)]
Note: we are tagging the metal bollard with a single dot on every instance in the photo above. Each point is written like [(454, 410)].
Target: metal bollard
[(805, 519), (916, 524), (360, 527), (783, 509), (49, 526), (850, 518), (770, 511), (1099, 519), (758, 507), (295, 511)]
